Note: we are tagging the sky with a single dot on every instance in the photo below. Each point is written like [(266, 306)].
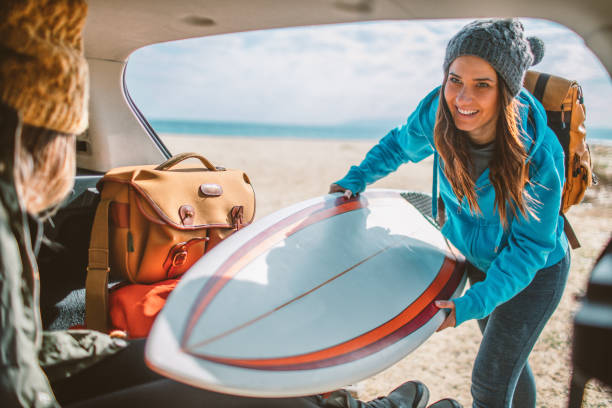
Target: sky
[(322, 75)]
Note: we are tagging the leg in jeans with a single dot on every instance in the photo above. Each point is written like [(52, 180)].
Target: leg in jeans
[(501, 376), (525, 390)]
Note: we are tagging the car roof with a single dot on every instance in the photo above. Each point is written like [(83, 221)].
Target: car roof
[(116, 28)]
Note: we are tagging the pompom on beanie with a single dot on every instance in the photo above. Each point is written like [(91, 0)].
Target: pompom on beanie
[(43, 72), (500, 42)]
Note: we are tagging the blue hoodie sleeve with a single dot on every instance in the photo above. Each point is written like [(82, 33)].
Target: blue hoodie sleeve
[(411, 142), (530, 242)]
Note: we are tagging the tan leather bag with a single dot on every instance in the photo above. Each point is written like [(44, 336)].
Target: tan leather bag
[(154, 222), (563, 101)]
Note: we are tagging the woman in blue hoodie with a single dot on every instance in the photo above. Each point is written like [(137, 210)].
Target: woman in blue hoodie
[(500, 173)]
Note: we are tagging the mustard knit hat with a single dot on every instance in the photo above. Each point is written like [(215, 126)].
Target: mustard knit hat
[(43, 72)]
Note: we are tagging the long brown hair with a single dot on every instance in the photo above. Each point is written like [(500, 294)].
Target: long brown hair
[(509, 171), (44, 167)]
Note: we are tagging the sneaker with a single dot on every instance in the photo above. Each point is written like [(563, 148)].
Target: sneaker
[(446, 403), (411, 394)]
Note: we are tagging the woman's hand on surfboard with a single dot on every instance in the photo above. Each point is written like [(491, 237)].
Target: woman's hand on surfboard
[(450, 320), (335, 188)]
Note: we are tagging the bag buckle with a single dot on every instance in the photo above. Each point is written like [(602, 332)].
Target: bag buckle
[(187, 214), (174, 265), (179, 258), (237, 215)]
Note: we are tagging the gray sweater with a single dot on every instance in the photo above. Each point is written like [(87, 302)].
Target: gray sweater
[(481, 156)]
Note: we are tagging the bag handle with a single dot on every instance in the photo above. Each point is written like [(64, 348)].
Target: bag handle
[(174, 160)]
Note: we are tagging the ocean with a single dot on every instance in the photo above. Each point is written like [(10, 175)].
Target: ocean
[(374, 130), (354, 130)]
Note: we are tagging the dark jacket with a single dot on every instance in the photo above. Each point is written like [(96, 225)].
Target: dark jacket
[(29, 357)]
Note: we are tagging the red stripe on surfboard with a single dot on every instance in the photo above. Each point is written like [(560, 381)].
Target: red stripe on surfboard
[(409, 320), (264, 240)]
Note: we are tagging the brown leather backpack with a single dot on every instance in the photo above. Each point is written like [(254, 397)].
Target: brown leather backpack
[(564, 104), (154, 222)]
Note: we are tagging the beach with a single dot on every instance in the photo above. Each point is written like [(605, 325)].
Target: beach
[(286, 171)]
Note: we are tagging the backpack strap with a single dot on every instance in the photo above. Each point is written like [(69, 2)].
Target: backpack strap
[(96, 285), (569, 233), (540, 86)]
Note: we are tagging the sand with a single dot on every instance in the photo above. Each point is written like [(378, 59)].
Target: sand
[(285, 171)]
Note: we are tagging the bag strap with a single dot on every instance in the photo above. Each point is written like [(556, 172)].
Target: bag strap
[(174, 160), (540, 86), (96, 285), (569, 233)]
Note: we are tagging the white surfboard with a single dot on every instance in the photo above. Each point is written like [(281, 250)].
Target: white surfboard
[(311, 298)]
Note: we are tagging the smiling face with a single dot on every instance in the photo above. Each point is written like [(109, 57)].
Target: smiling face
[(472, 95)]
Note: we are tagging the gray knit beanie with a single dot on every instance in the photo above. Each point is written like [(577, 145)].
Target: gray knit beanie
[(500, 42)]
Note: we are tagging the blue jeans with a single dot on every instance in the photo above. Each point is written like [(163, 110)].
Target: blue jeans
[(501, 376)]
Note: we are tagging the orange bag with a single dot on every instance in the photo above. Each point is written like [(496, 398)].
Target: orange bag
[(154, 222), (133, 308)]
